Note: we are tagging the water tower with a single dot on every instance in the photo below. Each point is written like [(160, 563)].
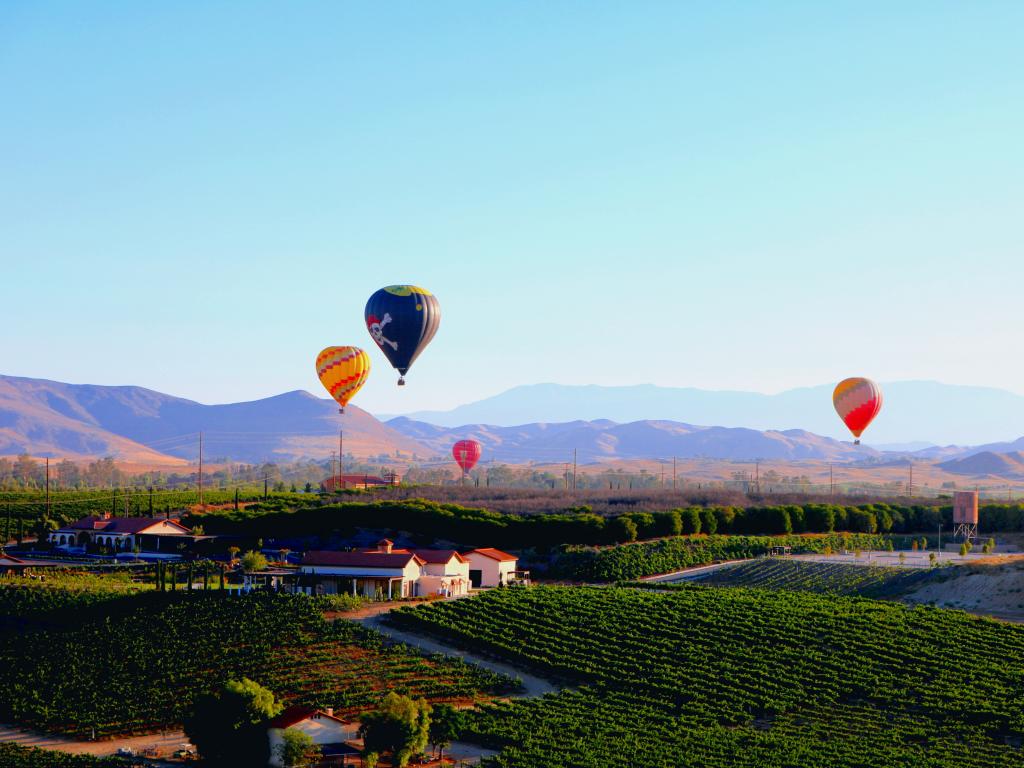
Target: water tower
[(965, 515)]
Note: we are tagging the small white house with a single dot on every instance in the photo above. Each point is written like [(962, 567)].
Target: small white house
[(328, 732), (444, 572), (490, 567)]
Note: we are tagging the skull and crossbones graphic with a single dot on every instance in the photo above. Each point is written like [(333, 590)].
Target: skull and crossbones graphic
[(376, 327)]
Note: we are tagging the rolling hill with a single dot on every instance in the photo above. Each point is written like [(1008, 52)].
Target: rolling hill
[(987, 463), (603, 439), (918, 411), (141, 425)]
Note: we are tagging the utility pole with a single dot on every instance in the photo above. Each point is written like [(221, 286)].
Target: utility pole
[(333, 475), (757, 476), (265, 478), (663, 476), (831, 483), (47, 487), (565, 475), (673, 473), (127, 507), (341, 455), (574, 470), (200, 470), (910, 486)]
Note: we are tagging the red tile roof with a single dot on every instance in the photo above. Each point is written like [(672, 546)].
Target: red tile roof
[(495, 554), (121, 524), (360, 559), (5, 558), (296, 714), (438, 555)]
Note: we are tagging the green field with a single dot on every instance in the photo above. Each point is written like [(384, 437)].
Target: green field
[(741, 677), (137, 664), (827, 578)]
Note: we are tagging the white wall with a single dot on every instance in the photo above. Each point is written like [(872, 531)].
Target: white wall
[(323, 730)]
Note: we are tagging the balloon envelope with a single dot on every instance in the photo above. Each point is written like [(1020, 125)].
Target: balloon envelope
[(466, 453), (402, 319), (857, 401), (342, 371)]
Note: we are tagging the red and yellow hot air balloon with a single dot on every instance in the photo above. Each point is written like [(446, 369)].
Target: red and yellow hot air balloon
[(857, 401), (466, 454), (342, 371)]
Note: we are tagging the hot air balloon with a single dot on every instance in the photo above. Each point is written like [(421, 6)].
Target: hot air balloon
[(342, 371), (466, 454), (402, 319), (857, 401)]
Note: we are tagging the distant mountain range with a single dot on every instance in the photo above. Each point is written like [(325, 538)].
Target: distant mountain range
[(603, 439), (915, 411), (140, 425), (134, 424)]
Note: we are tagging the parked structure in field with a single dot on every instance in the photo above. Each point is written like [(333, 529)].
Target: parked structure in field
[(392, 573), (490, 567), (123, 534), (358, 482), (331, 734), (965, 515)]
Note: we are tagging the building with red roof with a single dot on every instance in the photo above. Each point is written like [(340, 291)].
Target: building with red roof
[(122, 534), (489, 567), (331, 734)]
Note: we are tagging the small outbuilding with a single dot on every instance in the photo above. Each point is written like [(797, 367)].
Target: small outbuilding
[(489, 567), (331, 734)]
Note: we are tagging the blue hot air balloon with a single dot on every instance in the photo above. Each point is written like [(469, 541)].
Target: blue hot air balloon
[(402, 319)]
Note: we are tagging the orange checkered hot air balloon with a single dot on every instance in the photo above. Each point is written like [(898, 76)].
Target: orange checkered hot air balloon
[(342, 371), (857, 401)]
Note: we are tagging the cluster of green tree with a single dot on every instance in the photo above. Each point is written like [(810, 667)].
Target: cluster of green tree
[(738, 678), (646, 558), (14, 755), (577, 525)]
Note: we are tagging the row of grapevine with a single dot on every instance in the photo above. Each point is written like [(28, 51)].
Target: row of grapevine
[(742, 677), (139, 668)]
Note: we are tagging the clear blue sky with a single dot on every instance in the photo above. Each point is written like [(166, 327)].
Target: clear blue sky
[(197, 197)]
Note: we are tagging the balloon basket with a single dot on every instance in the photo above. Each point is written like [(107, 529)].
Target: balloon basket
[(401, 381)]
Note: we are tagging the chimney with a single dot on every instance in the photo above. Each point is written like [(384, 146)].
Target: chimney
[(384, 546), (330, 711), (106, 515)]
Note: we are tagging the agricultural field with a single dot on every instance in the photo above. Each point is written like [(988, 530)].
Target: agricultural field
[(741, 677), (139, 667), (825, 578), (15, 756)]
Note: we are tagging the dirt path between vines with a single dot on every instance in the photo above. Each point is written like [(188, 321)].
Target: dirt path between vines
[(532, 685), (165, 743)]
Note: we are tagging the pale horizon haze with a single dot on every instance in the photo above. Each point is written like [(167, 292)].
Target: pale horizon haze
[(197, 198)]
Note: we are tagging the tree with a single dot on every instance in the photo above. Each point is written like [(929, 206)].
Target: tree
[(228, 727), (297, 749), (400, 726), (253, 561), (903, 558), (233, 552), (622, 528), (446, 723), (964, 549)]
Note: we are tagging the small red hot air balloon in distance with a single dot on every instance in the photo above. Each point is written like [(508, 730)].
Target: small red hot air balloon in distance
[(466, 454)]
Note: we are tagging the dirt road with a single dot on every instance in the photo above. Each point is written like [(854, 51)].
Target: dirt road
[(165, 743)]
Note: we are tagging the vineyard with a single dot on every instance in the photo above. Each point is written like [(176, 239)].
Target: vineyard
[(737, 677), (647, 558), (138, 669), (63, 596), (15, 756), (828, 578)]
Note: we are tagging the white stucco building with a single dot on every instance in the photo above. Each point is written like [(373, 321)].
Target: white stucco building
[(328, 732), (490, 567), (122, 534)]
